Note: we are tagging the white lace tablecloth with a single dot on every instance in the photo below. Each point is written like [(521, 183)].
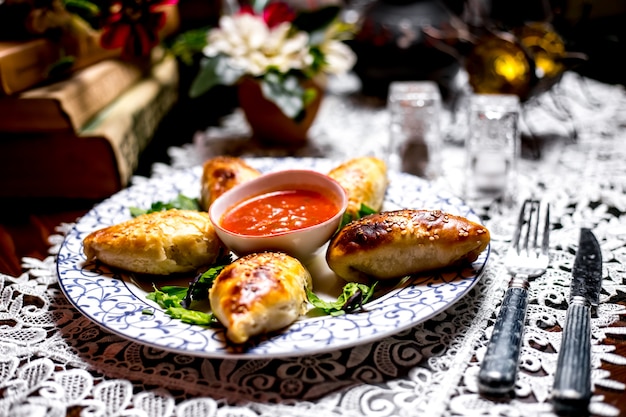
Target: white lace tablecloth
[(55, 362)]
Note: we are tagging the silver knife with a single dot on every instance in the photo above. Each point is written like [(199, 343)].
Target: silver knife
[(572, 382)]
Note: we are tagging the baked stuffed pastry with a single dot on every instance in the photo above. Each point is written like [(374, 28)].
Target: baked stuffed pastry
[(160, 243), (398, 243), (365, 181), (222, 173), (259, 293)]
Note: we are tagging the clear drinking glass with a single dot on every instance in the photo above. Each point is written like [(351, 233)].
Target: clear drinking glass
[(415, 139), (492, 146)]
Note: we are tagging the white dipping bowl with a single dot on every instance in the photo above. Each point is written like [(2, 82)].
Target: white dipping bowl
[(299, 243)]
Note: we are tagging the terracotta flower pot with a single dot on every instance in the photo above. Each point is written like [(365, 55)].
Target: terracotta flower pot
[(268, 123)]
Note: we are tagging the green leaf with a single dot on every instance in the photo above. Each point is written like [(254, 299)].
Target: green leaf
[(363, 211), (189, 44), (176, 300), (136, 211), (167, 296), (352, 298), (62, 66), (170, 299), (192, 316), (308, 96), (83, 8), (214, 71), (206, 78), (181, 202), (318, 60), (259, 5), (286, 93), (199, 288)]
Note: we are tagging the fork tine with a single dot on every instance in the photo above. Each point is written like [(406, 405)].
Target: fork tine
[(534, 225), (545, 244), (531, 231), (518, 229)]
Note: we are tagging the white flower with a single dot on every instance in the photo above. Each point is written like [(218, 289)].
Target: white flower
[(338, 57), (287, 52), (254, 47)]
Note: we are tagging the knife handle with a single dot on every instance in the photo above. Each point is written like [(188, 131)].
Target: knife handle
[(572, 382), (498, 371)]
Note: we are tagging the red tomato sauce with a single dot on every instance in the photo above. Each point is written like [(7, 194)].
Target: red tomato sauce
[(279, 212)]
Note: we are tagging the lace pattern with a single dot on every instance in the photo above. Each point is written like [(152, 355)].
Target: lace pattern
[(54, 361)]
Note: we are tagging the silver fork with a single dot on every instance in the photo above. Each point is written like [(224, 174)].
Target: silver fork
[(526, 258)]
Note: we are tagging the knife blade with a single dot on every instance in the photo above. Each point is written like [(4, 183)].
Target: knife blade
[(571, 391)]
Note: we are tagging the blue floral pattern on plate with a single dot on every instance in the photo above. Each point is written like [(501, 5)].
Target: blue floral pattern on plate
[(111, 299)]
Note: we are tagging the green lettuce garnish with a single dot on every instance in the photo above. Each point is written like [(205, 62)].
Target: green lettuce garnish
[(363, 211), (177, 301), (352, 298), (181, 202)]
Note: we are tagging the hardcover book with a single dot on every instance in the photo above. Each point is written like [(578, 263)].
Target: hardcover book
[(98, 160), (26, 63), (67, 105)]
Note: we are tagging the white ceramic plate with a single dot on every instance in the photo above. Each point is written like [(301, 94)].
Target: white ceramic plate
[(113, 300)]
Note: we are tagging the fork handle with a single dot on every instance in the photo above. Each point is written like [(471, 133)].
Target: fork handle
[(498, 371)]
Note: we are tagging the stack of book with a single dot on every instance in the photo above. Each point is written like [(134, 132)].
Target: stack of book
[(81, 136)]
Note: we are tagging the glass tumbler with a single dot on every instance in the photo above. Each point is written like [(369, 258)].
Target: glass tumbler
[(414, 142), (492, 146)]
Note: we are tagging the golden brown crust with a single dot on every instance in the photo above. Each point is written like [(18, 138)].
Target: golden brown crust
[(365, 181), (222, 173), (160, 243), (259, 293), (398, 243)]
